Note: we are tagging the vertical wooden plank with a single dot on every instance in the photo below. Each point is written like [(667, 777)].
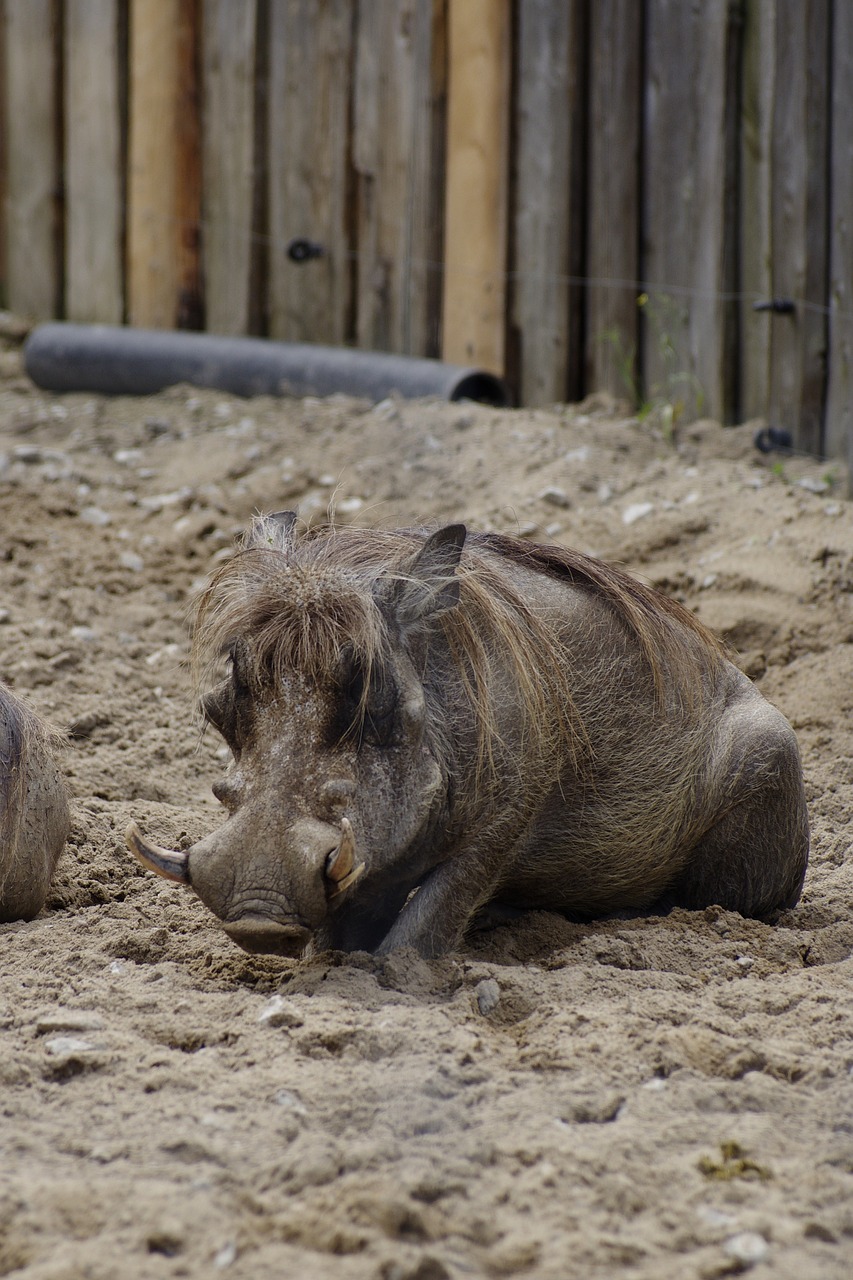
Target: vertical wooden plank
[(398, 196), (799, 213), (756, 282), (228, 77), (476, 211), (838, 438), (613, 196), (163, 165), (32, 179), (3, 204), (686, 245), (543, 232), (93, 163), (310, 82)]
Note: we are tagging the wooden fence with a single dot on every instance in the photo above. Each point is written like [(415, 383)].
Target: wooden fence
[(581, 194)]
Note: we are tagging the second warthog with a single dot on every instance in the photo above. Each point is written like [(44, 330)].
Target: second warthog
[(424, 724)]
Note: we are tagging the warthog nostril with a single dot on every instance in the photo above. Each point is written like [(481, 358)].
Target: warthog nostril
[(268, 937)]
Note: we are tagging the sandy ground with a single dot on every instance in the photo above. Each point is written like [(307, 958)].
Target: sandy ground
[(649, 1099)]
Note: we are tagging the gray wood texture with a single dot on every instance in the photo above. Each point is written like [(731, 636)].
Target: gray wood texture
[(543, 224), (799, 211), (398, 194), (612, 263), (3, 158), (756, 272), (838, 434), (94, 189), (684, 243), (228, 162), (30, 83), (311, 52)]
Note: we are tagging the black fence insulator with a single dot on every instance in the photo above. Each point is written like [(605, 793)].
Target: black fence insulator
[(773, 440), (779, 306), (302, 250)]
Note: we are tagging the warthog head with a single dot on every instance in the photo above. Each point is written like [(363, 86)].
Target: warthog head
[(336, 769)]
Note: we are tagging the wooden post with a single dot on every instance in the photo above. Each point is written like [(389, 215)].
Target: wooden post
[(838, 440), (543, 221), (229, 160), (612, 263), (477, 183), (32, 171), (310, 70), (3, 126), (93, 163), (398, 195), (163, 270), (799, 210), (687, 242), (756, 282)]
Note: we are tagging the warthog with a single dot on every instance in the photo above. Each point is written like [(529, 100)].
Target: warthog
[(34, 818), (422, 725)]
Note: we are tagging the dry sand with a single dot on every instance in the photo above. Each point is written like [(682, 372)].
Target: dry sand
[(648, 1099)]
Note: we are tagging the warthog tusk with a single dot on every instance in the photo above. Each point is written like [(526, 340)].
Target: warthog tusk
[(341, 866), (173, 866)]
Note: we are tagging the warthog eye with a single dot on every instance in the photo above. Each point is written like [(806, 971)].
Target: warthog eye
[(229, 706), (367, 711)]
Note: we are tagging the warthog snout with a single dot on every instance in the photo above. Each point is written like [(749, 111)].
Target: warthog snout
[(320, 864), (268, 937)]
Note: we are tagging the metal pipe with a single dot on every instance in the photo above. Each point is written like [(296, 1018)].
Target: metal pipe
[(139, 362)]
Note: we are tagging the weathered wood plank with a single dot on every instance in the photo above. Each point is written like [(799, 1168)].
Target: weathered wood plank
[(687, 250), (756, 277), (398, 195), (228, 95), (163, 166), (93, 163), (838, 437), (32, 175), (3, 204), (799, 210), (476, 208), (310, 79), (612, 262), (547, 58)]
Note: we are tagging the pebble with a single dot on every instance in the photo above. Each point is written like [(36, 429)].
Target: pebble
[(68, 1046), (226, 1256), (555, 497), (5, 617), (488, 995), (349, 506), (747, 1248), (130, 560), (95, 516), (28, 453), (812, 485), (86, 635), (637, 511), (278, 1012), (290, 1100), (69, 1020)]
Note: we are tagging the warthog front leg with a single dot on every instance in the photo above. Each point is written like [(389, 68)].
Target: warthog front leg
[(434, 919)]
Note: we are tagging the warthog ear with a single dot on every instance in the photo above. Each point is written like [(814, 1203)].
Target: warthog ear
[(429, 585), (276, 531)]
